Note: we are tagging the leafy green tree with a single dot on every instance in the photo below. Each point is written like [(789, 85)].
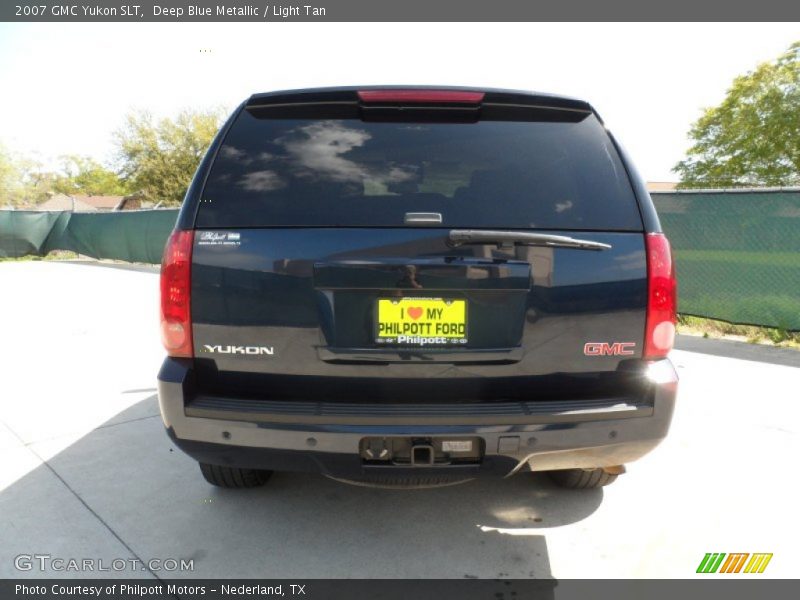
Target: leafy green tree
[(753, 137), (83, 175), (8, 178), (159, 158), (22, 181), (25, 182)]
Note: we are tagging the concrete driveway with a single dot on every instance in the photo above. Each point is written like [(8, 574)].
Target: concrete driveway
[(86, 470)]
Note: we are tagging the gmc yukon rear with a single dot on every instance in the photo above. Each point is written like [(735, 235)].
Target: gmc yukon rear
[(411, 286)]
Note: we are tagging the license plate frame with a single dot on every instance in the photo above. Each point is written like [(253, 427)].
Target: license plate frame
[(394, 323)]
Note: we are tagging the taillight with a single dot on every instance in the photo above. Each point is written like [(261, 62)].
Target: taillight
[(662, 288), (421, 96), (176, 280)]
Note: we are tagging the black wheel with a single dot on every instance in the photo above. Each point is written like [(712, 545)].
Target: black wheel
[(231, 477), (581, 479)]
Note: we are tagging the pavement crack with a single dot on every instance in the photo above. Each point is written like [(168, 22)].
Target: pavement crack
[(86, 505), (107, 425), (63, 435)]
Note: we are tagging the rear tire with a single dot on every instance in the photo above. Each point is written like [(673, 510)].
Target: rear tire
[(231, 477), (580, 479)]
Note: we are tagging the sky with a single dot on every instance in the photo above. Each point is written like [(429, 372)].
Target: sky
[(64, 88)]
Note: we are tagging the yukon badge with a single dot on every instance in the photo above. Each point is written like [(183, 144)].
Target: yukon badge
[(605, 349), (251, 350)]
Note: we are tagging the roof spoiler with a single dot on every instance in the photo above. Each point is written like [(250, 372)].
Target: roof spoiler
[(417, 95)]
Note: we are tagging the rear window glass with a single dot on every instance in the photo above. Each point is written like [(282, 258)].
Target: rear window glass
[(348, 172)]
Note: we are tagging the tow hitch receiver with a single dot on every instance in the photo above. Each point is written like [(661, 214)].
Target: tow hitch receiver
[(421, 452), (422, 455)]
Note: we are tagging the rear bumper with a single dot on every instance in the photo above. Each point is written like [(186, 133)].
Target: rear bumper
[(319, 437)]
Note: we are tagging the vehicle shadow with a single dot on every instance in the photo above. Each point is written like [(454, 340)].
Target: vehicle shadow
[(150, 496)]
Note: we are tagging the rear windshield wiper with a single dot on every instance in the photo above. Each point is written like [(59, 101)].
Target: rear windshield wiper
[(459, 237)]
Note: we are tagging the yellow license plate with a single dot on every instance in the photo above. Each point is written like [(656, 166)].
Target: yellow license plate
[(421, 321)]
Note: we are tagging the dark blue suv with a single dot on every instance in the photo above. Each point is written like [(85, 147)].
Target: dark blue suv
[(415, 286)]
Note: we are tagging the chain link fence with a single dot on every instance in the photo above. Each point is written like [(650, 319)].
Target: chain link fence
[(737, 253)]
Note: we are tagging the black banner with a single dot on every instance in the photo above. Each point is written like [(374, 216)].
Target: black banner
[(730, 588), (397, 10)]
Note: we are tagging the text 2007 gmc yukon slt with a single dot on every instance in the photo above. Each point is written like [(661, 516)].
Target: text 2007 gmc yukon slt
[(402, 285)]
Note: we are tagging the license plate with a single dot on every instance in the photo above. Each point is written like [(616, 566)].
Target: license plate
[(457, 446), (421, 322)]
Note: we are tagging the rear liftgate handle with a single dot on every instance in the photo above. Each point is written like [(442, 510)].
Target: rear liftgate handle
[(423, 218)]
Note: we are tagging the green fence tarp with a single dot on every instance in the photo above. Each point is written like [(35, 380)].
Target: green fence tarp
[(24, 233), (737, 253), (133, 236)]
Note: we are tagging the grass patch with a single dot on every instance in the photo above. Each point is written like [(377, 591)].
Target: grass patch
[(712, 328), (54, 255)]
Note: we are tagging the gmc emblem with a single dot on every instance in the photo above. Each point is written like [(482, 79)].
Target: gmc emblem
[(604, 349)]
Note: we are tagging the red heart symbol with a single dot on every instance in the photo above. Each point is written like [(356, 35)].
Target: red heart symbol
[(415, 312)]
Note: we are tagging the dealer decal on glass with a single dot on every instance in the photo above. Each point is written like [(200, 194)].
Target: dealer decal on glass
[(421, 322)]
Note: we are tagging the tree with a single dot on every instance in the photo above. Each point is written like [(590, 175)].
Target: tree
[(83, 175), (8, 178), (753, 137), (22, 181), (159, 159)]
